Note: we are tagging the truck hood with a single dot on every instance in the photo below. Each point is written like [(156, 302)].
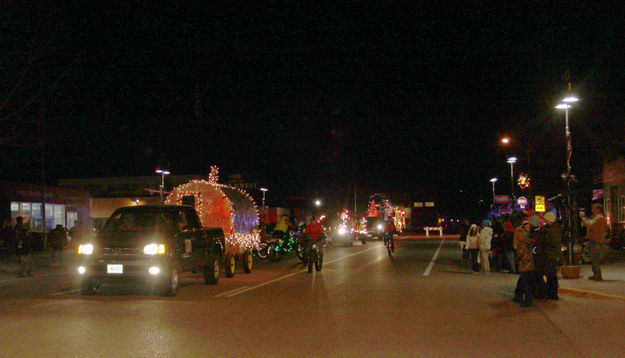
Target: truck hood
[(128, 239)]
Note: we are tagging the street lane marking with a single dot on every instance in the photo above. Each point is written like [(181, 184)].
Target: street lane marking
[(232, 291), (427, 270), (65, 292), (243, 290)]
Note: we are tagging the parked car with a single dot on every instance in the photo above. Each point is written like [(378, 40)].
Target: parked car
[(150, 245)]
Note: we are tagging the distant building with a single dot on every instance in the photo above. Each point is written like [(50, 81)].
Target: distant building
[(63, 206)]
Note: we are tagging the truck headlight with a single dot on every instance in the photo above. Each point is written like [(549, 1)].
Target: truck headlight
[(85, 249), (154, 249)]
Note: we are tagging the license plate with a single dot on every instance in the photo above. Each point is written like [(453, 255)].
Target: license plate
[(115, 269)]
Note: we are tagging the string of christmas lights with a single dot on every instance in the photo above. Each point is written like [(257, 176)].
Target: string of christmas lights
[(215, 208)]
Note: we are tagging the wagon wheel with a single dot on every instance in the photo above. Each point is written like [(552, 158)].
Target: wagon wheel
[(230, 265), (248, 261)]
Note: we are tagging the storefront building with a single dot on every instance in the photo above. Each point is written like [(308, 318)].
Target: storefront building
[(63, 206)]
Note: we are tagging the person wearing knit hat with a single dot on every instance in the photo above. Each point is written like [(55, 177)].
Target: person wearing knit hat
[(534, 221), (552, 243), (525, 265), (549, 217)]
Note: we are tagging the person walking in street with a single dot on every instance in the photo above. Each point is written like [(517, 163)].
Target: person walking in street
[(525, 265), (464, 230), (24, 248), (596, 228), (486, 236), (507, 245), (7, 236), (58, 242), (552, 247), (472, 245)]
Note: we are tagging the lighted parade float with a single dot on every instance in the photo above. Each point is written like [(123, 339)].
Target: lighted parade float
[(229, 208)]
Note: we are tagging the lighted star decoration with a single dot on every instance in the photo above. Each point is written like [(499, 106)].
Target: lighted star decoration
[(524, 181)]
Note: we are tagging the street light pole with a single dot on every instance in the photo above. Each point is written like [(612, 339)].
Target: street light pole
[(512, 160), (162, 172), (264, 190), (569, 151)]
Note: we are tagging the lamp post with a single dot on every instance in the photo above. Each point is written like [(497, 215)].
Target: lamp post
[(317, 203), (264, 190), (162, 172), (493, 181), (569, 151), (511, 161)]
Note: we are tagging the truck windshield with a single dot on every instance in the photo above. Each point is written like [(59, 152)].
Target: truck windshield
[(141, 221)]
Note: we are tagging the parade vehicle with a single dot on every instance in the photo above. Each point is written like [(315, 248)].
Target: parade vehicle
[(152, 245), (229, 208), (340, 232)]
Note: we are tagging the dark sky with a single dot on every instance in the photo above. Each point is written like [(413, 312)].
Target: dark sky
[(310, 100)]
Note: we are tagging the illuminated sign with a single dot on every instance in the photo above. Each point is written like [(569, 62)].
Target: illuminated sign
[(540, 204), (522, 201)]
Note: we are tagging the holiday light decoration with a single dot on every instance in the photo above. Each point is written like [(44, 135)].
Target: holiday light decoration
[(524, 181), (218, 205)]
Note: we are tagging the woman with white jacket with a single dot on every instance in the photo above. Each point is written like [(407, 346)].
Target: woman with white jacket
[(486, 236)]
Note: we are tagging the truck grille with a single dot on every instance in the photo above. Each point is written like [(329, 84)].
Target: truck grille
[(120, 251)]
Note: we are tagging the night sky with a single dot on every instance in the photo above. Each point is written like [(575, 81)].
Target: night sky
[(306, 100)]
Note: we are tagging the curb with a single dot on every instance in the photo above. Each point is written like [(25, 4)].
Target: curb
[(590, 294)]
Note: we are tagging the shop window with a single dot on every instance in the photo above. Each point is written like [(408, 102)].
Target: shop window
[(59, 215), (71, 218), (37, 217)]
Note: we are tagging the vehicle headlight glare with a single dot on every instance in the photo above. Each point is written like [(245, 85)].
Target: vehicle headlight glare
[(380, 227), (342, 231), (154, 249), (85, 249)]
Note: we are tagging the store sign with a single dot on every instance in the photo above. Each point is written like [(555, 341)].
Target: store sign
[(540, 204), (522, 201), (501, 199)]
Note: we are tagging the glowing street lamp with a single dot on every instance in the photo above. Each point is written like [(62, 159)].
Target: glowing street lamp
[(505, 140), (162, 172), (317, 203), (493, 181), (511, 161)]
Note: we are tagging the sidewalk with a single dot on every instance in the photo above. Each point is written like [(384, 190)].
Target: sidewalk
[(42, 264), (612, 286)]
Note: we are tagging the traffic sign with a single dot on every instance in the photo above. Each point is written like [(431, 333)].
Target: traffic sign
[(540, 204)]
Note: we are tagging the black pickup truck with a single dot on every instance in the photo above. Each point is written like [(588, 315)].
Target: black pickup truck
[(152, 245)]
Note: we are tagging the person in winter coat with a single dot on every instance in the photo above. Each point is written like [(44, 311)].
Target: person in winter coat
[(486, 236), (537, 235), (464, 230), (507, 245), (525, 265), (552, 247), (596, 228), (473, 245), (58, 242)]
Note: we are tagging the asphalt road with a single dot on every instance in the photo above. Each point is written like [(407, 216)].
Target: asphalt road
[(421, 302)]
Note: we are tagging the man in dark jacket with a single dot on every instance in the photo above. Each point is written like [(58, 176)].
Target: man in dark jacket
[(58, 242), (24, 247), (552, 244)]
